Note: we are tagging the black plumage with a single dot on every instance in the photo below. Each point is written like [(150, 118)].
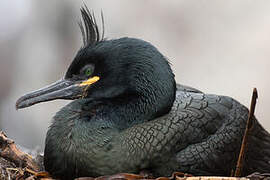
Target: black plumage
[(89, 28), (129, 115)]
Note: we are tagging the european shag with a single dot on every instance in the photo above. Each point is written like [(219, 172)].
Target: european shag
[(129, 115)]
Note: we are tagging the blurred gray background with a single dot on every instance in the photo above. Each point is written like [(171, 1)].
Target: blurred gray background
[(220, 47)]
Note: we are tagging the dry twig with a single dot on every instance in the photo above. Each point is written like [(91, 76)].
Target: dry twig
[(239, 165)]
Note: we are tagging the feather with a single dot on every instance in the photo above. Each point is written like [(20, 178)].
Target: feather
[(89, 28)]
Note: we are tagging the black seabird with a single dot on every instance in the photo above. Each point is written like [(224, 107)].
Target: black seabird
[(129, 115)]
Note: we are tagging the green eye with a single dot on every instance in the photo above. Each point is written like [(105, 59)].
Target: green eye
[(88, 71)]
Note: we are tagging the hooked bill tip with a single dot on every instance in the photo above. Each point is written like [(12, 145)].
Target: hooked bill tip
[(23, 102), (18, 104)]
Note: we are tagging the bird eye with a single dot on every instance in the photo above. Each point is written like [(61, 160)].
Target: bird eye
[(87, 70)]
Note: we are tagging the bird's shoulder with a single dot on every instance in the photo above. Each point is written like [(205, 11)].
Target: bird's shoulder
[(181, 87), (188, 98), (206, 113)]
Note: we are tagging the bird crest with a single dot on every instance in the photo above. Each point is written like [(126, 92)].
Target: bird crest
[(89, 28)]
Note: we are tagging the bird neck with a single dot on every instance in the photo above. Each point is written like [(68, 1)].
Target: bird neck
[(119, 113), (126, 111)]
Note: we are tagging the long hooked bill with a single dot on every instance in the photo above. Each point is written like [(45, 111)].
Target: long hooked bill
[(62, 89)]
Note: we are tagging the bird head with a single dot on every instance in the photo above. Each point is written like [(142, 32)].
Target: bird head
[(124, 68)]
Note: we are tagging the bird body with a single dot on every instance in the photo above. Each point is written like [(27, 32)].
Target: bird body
[(129, 115), (200, 135)]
